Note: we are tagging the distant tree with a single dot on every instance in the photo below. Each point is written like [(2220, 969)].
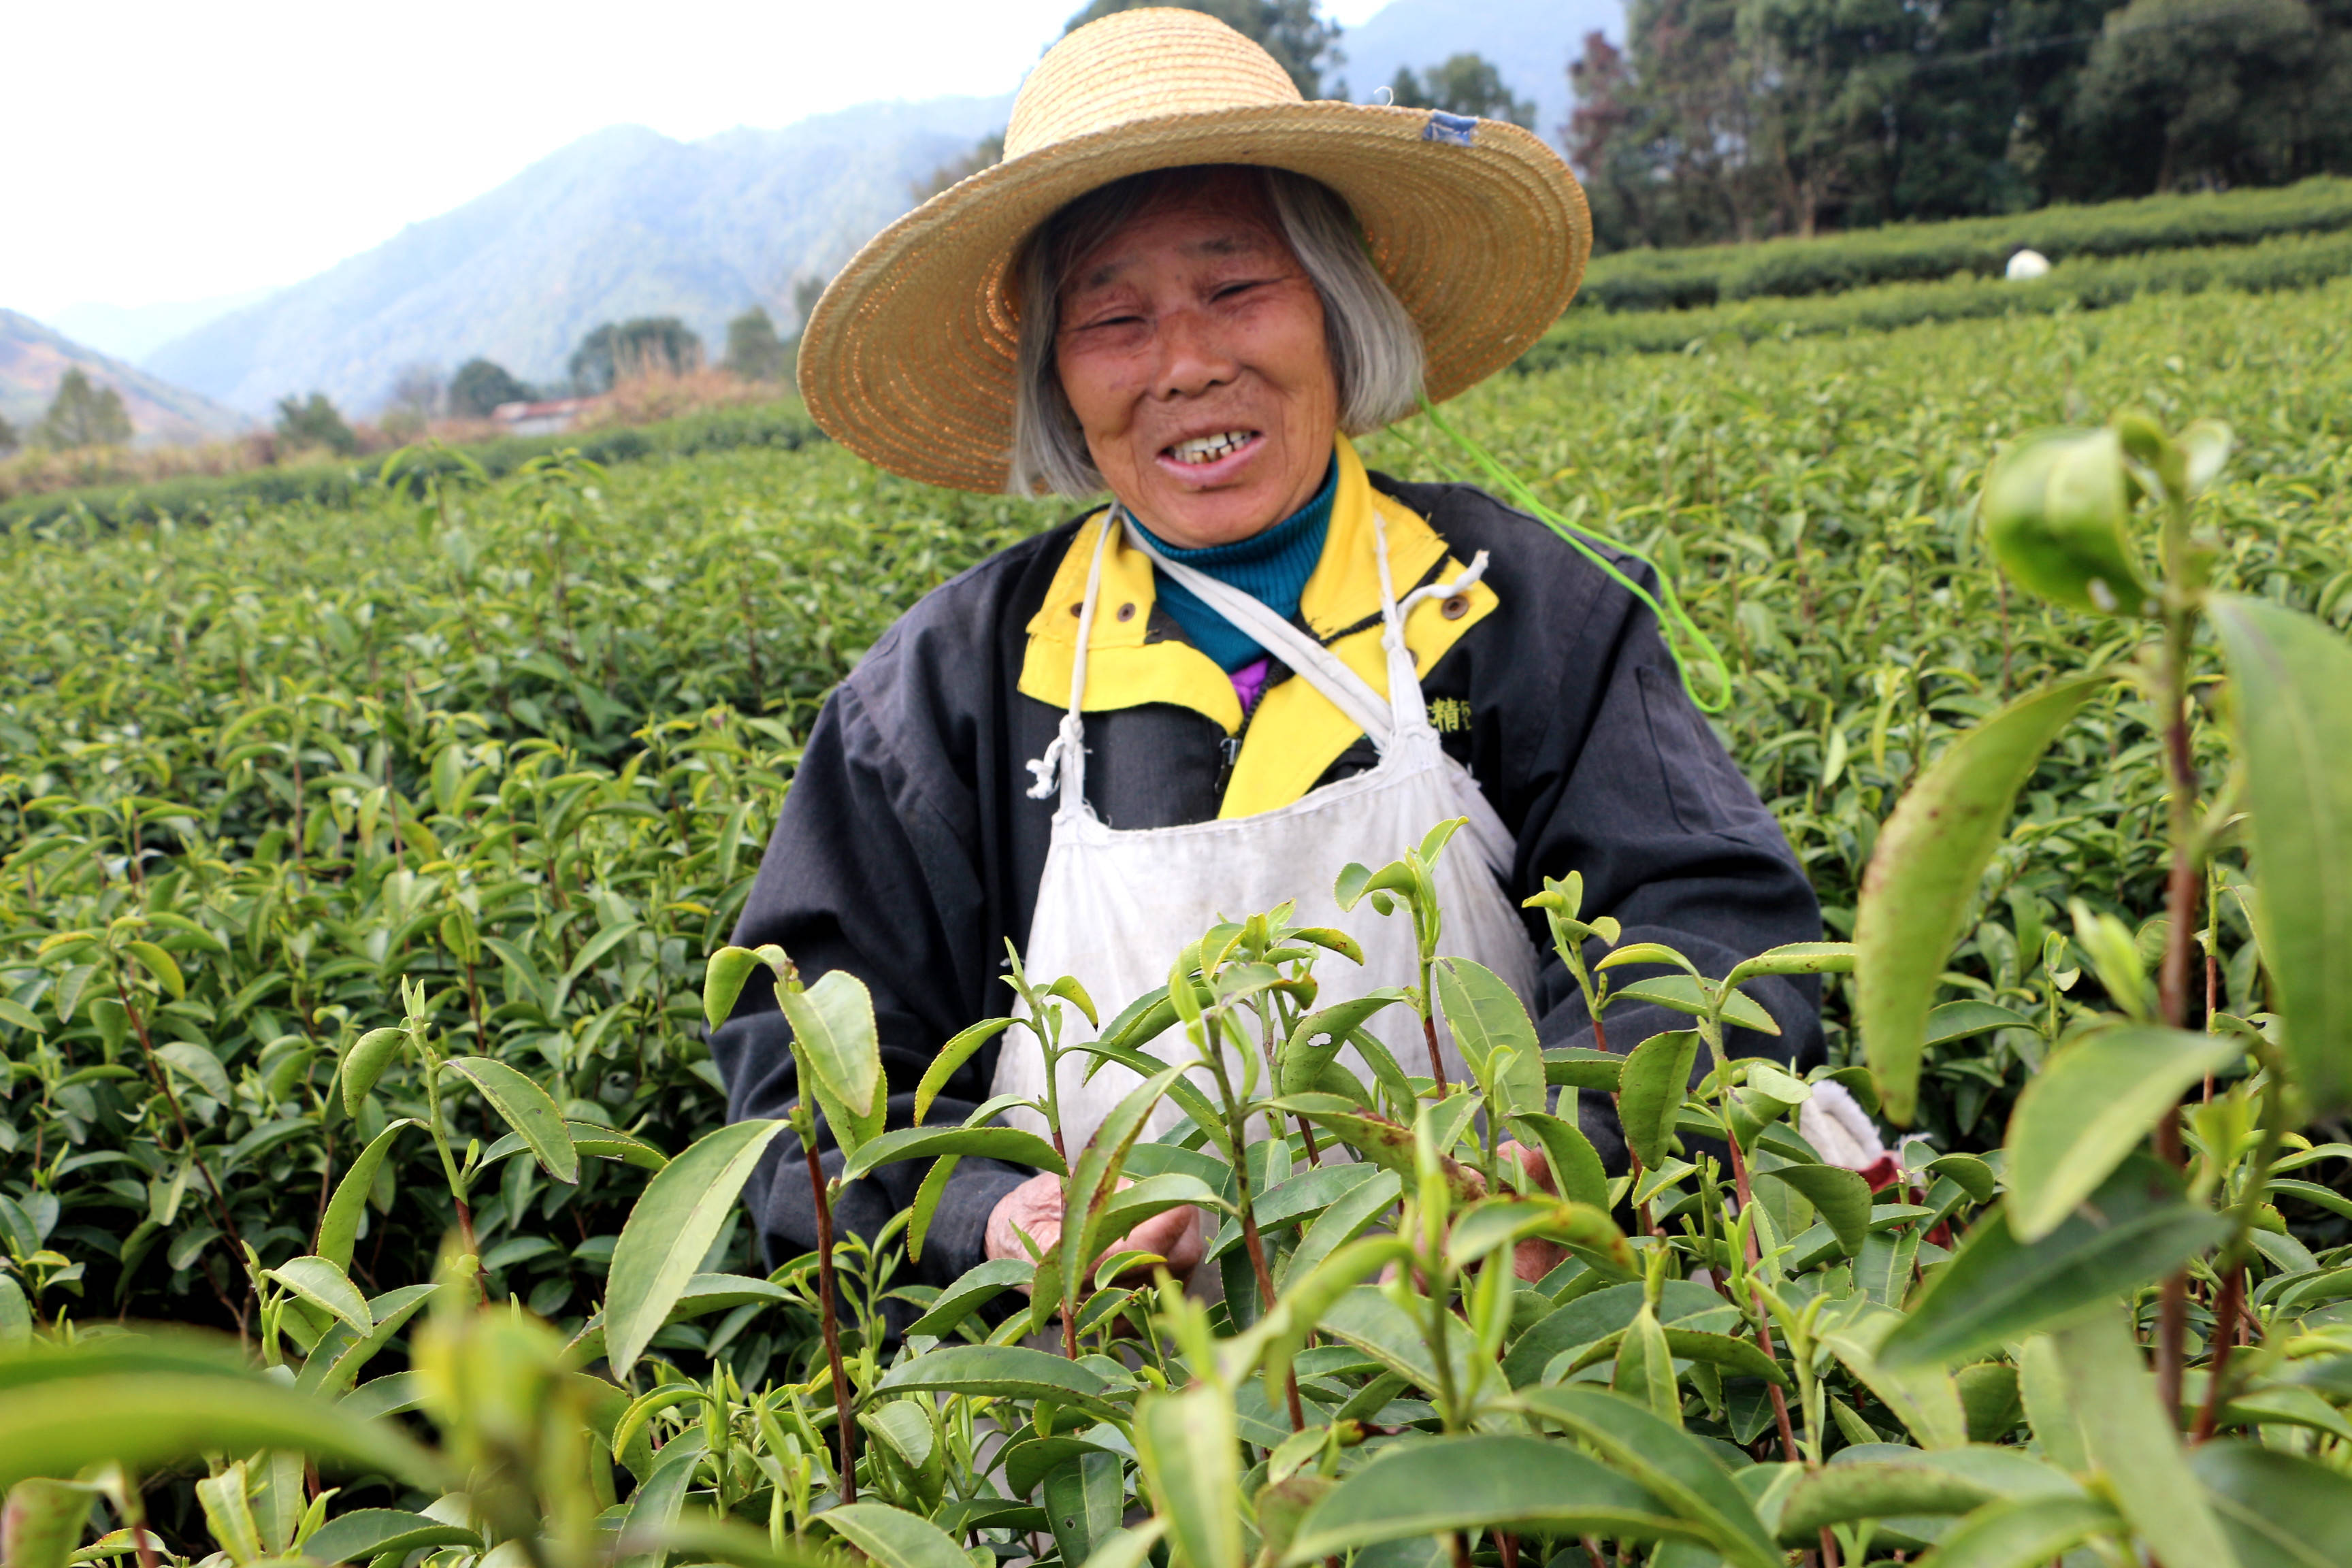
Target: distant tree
[(625, 350), (480, 385), (1300, 40), (314, 422), (84, 414), (2188, 94), (753, 350), (419, 389), (805, 294), (1465, 84), (987, 152), (1660, 130), (9, 439)]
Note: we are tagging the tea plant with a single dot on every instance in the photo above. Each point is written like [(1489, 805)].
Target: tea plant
[(313, 858)]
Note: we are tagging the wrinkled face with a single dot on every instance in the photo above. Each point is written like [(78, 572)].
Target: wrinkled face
[(1191, 349)]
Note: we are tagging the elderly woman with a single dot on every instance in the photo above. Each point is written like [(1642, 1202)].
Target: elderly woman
[(1187, 287)]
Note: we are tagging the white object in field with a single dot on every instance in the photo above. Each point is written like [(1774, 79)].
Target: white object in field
[(1834, 1123), (2028, 264)]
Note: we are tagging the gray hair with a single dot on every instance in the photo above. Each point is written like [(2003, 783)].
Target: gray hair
[(1377, 357)]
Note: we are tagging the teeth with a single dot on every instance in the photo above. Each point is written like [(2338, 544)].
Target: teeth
[(1209, 448)]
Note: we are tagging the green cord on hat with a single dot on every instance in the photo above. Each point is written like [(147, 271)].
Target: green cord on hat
[(1684, 640)]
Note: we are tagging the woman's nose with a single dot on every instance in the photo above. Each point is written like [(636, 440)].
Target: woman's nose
[(1193, 356)]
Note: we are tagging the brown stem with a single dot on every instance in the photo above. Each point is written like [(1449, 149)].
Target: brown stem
[(188, 1135), (2225, 1338), (1306, 1131), (134, 1507), (828, 1317), (1829, 1549), (1763, 1319), (1256, 1246), (1509, 1544), (1460, 1542), (2172, 987), (1436, 1063)]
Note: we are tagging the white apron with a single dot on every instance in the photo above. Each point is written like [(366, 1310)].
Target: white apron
[(1115, 907)]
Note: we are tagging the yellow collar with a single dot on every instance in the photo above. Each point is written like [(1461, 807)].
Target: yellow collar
[(1296, 734)]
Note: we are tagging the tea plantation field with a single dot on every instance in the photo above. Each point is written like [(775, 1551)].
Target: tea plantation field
[(521, 741)]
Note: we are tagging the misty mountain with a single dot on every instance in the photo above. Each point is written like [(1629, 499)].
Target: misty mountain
[(134, 332), (33, 358), (1530, 42), (622, 222), (629, 223)]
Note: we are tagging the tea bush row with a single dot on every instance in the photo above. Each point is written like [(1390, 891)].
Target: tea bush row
[(204, 496), (1900, 253), (2292, 263), (521, 744)]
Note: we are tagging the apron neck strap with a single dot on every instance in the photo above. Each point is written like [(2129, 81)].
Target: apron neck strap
[(1066, 756), (1314, 663)]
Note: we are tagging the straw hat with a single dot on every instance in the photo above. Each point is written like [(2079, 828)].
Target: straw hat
[(908, 360)]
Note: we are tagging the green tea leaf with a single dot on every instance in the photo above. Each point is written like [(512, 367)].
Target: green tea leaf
[(2279, 1509), (15, 1315), (951, 1059), (893, 1538), (1843, 1197), (1685, 995), (1797, 958), (525, 1107), (670, 1229), (2133, 1440), (147, 1419), (2136, 1228), (2024, 1532), (339, 1226), (323, 1284), (1190, 1452), (973, 1290), (2292, 709), (1575, 1165), (1483, 1482), (1084, 1497), (1651, 1090), (723, 979), (2055, 509), (1925, 1398), (833, 1034), (2090, 1104), (1922, 877), (1672, 1464), (1008, 1143), (1582, 1066), (1958, 1020), (1350, 1215), (1009, 1372), (1317, 1039), (1487, 1017), (43, 1520), (159, 963), (1092, 1183), (364, 1063), (363, 1534), (198, 1066)]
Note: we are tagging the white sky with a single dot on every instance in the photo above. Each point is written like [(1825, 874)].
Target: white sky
[(172, 152)]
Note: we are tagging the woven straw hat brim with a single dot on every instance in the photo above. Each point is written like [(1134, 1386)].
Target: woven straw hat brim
[(908, 360)]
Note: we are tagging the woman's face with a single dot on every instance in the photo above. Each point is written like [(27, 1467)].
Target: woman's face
[(1191, 349)]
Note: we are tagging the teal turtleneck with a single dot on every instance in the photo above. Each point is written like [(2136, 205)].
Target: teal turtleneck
[(1271, 567)]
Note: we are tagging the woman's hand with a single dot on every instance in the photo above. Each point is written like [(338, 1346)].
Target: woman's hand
[(1531, 1260), (1035, 1209)]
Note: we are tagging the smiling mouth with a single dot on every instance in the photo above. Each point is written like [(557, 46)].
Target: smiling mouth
[(1200, 451)]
